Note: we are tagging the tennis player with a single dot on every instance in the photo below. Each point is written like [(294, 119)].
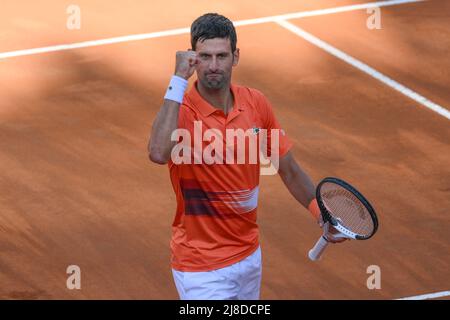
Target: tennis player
[(215, 238)]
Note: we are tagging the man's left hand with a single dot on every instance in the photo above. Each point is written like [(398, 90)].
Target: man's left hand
[(331, 233)]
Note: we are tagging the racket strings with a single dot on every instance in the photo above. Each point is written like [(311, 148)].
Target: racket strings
[(344, 206)]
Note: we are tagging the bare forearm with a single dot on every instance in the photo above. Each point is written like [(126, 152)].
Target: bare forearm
[(297, 181), (160, 144), (301, 187)]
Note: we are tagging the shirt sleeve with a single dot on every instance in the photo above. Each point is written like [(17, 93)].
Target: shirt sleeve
[(273, 128)]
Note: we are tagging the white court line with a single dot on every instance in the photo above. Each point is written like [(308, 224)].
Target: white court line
[(321, 12), (143, 36), (93, 43), (365, 68), (281, 19), (428, 296)]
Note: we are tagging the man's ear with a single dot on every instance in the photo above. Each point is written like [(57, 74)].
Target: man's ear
[(235, 57)]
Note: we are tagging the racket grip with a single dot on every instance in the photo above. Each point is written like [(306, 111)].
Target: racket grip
[(315, 253)]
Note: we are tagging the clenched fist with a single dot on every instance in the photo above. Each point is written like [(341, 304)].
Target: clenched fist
[(185, 63)]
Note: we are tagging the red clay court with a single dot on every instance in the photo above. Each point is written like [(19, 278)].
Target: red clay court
[(76, 106)]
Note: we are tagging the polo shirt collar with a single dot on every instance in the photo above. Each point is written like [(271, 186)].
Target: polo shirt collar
[(205, 108)]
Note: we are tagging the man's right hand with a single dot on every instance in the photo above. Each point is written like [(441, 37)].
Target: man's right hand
[(185, 63)]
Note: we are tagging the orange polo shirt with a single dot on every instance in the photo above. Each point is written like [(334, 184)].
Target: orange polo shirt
[(215, 222)]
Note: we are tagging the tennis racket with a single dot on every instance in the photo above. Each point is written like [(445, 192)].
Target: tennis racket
[(345, 209)]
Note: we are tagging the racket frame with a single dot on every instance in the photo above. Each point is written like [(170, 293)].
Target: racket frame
[(316, 252), (327, 217)]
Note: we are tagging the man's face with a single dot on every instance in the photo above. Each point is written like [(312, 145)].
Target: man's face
[(215, 62)]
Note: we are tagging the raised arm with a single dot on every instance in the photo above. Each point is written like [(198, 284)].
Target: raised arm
[(166, 121)]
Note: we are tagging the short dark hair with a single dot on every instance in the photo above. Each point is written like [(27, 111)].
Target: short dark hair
[(213, 25)]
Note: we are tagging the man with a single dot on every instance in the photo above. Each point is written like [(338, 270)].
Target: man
[(215, 238)]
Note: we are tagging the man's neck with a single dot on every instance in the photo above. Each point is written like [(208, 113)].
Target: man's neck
[(219, 98)]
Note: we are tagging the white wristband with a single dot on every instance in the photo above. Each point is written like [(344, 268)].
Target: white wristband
[(176, 89)]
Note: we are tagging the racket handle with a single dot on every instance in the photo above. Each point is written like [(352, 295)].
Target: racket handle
[(315, 253)]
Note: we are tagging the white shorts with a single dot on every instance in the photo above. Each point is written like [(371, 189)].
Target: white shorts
[(239, 281)]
